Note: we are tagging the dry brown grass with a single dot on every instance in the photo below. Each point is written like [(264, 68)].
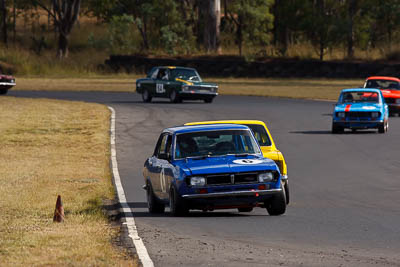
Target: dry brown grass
[(51, 147), (295, 88), (327, 89)]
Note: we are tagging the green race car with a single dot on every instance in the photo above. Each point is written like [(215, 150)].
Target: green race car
[(175, 83)]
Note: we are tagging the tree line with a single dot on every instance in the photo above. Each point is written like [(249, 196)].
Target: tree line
[(187, 25)]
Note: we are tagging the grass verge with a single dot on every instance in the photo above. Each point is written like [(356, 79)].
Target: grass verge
[(295, 88), (51, 147)]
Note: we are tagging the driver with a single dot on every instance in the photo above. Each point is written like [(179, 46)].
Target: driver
[(187, 146)]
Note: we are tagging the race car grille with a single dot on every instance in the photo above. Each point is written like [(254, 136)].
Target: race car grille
[(360, 115), (203, 88), (238, 178), (218, 179)]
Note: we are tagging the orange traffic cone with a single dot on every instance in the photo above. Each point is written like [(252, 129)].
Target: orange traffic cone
[(59, 212)]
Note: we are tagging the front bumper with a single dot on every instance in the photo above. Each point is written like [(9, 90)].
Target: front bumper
[(197, 94), (358, 124), (230, 200), (249, 193), (6, 85)]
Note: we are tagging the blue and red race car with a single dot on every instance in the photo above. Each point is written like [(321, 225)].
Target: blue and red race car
[(360, 108), (209, 167)]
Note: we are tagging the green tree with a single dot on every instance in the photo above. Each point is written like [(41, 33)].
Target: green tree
[(386, 19), (321, 25), (65, 14), (253, 21), (289, 19)]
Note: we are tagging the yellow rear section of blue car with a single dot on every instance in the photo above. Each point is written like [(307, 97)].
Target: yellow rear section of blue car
[(265, 141)]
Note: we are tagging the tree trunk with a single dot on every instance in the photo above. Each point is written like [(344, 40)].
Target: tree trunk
[(352, 9), (62, 46), (14, 22), (212, 12), (239, 35), (4, 22)]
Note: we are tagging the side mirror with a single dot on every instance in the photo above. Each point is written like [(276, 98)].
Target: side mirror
[(164, 156)]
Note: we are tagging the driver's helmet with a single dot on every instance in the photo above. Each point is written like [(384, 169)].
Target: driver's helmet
[(187, 145)]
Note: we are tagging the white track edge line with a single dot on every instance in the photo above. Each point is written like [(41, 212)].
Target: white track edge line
[(125, 209)]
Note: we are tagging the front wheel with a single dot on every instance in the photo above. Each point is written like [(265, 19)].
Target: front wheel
[(287, 195), (277, 204), (177, 204), (154, 204), (383, 128), (249, 209), (146, 96), (337, 129), (174, 98), (3, 91)]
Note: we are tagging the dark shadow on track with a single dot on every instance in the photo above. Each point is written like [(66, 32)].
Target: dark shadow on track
[(191, 214), (155, 102), (310, 132), (329, 132)]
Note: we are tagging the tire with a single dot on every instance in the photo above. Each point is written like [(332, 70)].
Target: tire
[(3, 91), (337, 129), (383, 128), (208, 100), (250, 209), (146, 97), (287, 194), (177, 204), (154, 204), (277, 204), (173, 97)]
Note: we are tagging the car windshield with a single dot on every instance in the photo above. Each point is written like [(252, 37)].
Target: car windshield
[(260, 133), (357, 97), (215, 143), (185, 74), (383, 84)]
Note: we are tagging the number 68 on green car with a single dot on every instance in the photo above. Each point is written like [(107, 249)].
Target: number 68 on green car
[(175, 83)]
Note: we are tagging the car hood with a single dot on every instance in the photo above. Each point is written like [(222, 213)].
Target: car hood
[(390, 93), (358, 107), (227, 164), (194, 83)]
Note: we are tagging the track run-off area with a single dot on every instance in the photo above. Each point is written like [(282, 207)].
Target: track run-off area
[(345, 188)]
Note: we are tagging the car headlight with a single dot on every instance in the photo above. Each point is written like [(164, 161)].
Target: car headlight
[(266, 177), (341, 114), (197, 181), (138, 85), (185, 87), (375, 114), (398, 101)]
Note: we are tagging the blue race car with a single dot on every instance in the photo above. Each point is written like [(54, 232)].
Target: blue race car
[(208, 167), (360, 108)]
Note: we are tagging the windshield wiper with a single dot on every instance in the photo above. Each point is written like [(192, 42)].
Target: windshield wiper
[(239, 155), (198, 157)]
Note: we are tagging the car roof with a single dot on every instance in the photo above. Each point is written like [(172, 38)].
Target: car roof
[(205, 127), (383, 78), (227, 121), (361, 90)]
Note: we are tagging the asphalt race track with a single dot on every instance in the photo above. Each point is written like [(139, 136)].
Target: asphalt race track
[(345, 189)]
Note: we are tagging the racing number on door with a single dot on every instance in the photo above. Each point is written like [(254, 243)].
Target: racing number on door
[(160, 88), (162, 181)]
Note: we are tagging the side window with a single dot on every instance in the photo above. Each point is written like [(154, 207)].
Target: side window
[(162, 74), (163, 145), (154, 74)]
